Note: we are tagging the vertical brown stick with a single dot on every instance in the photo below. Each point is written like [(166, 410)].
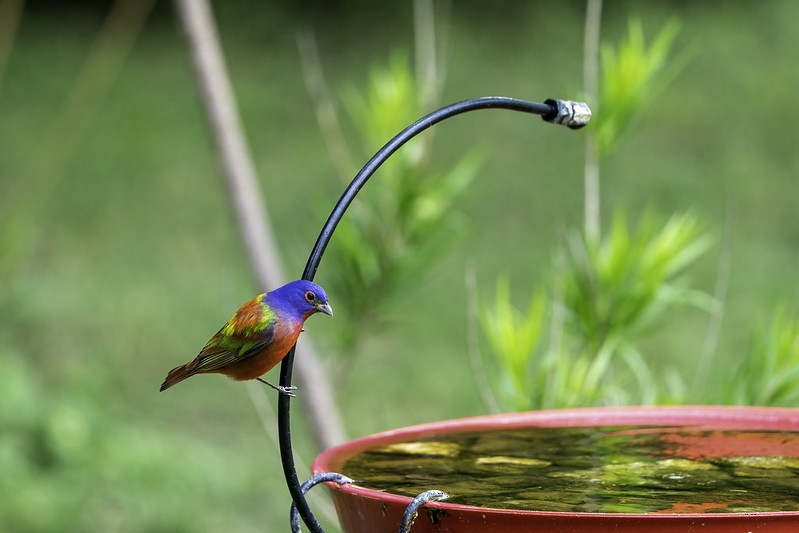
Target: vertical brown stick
[(247, 201), (593, 22)]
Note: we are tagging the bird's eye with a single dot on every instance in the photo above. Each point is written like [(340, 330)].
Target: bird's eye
[(309, 296)]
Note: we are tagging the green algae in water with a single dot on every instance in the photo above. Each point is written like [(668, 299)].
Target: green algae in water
[(593, 469)]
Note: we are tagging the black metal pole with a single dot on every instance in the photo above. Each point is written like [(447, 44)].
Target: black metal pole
[(574, 115)]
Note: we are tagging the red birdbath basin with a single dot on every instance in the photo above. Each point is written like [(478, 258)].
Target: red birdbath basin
[(627, 469)]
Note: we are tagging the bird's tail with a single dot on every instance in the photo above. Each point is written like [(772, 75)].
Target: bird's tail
[(177, 374)]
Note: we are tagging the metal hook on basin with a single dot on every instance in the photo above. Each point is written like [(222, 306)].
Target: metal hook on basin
[(308, 485), (412, 510)]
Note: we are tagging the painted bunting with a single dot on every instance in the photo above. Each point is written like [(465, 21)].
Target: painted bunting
[(258, 336)]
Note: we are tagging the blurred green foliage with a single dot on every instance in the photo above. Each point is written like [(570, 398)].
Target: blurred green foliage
[(70, 464), (407, 219), (618, 285), (612, 289), (129, 258), (770, 369), (632, 74), (608, 294), (618, 289), (514, 337)]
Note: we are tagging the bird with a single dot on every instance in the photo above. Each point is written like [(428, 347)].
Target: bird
[(258, 336)]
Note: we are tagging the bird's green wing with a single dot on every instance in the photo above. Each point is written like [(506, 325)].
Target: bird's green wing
[(248, 332), (223, 351), (240, 338)]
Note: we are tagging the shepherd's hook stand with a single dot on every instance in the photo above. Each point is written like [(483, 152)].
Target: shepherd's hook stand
[(573, 115)]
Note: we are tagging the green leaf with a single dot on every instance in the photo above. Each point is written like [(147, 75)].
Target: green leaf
[(769, 375), (614, 285), (631, 76), (514, 338)]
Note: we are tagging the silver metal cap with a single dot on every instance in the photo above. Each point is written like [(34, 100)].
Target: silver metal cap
[(569, 113)]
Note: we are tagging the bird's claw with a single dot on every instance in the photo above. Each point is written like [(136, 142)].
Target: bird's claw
[(286, 391)]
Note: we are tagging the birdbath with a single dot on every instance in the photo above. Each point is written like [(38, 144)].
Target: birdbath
[(621, 469), (639, 469)]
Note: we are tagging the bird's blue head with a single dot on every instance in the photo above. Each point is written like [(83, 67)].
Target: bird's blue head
[(301, 298)]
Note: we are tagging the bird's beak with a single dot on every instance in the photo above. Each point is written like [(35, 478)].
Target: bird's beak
[(325, 308)]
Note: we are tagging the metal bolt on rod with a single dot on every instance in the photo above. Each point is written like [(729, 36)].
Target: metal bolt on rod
[(573, 115)]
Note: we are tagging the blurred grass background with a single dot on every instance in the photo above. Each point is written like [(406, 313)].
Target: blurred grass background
[(119, 256)]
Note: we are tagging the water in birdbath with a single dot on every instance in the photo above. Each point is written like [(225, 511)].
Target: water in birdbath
[(607, 469)]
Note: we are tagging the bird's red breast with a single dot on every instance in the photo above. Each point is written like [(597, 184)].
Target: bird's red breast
[(284, 336)]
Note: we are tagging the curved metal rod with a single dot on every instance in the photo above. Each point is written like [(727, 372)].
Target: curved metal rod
[(294, 515), (574, 115), (409, 516)]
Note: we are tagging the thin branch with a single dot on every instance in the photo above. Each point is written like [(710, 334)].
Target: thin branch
[(326, 115), (479, 373), (591, 188), (442, 27), (266, 414), (556, 341), (247, 201), (428, 55), (10, 13), (425, 48), (593, 21), (713, 332)]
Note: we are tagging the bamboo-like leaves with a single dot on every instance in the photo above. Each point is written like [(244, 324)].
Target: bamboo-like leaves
[(631, 76), (615, 286), (514, 338), (393, 230), (769, 375), (609, 289)]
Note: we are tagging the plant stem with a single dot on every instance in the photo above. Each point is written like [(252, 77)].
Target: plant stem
[(425, 53), (10, 13), (479, 373), (713, 332), (269, 422), (247, 201), (593, 20), (326, 115)]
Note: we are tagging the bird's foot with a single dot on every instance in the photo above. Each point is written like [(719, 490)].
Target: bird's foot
[(286, 391)]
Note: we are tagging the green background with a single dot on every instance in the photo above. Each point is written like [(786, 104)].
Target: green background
[(119, 255)]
